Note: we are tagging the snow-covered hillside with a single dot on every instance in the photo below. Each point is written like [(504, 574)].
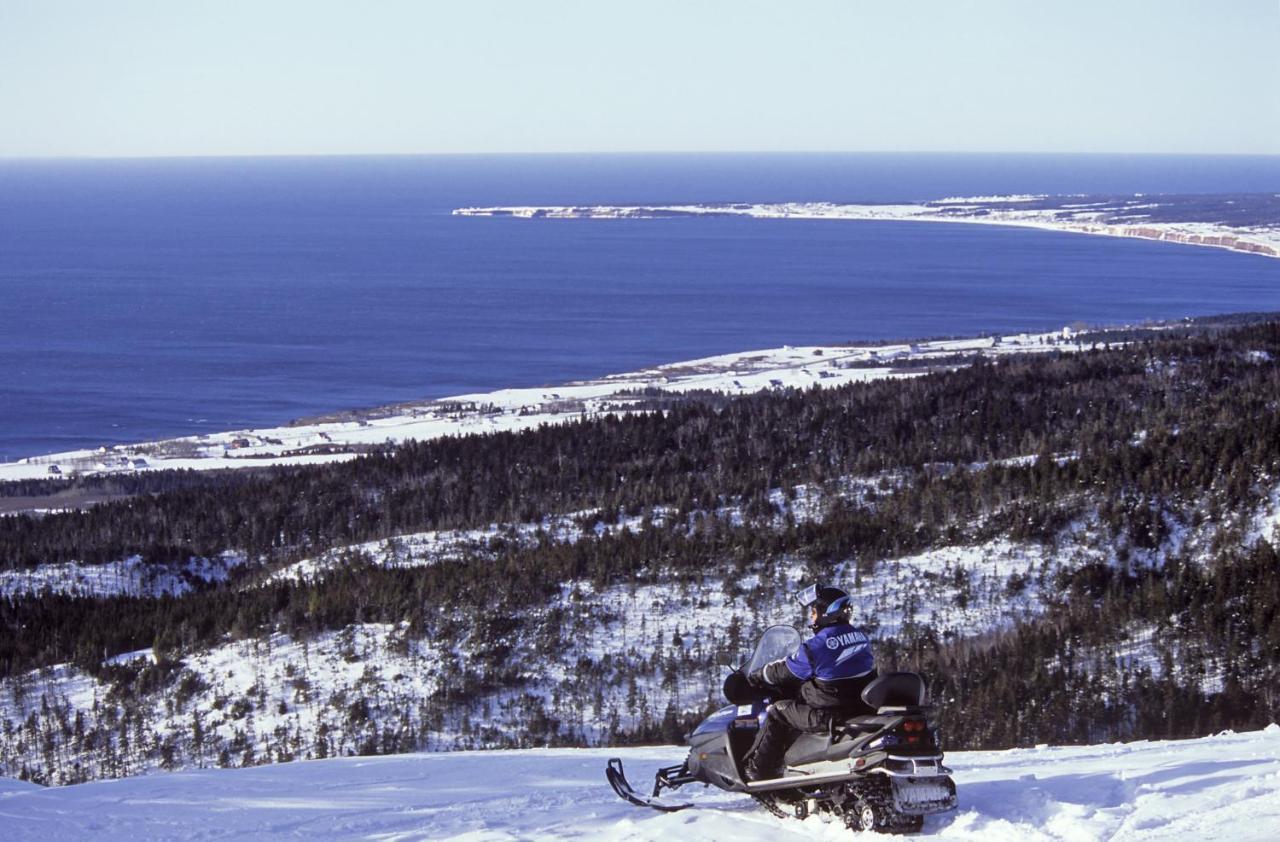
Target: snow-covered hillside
[(1225, 786), (131, 576), (1085, 542), (372, 686), (636, 650)]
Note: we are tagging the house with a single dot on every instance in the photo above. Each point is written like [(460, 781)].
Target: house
[(237, 444), (139, 463), (54, 469)]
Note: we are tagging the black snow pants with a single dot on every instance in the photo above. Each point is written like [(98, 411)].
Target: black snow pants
[(784, 723), (789, 717)]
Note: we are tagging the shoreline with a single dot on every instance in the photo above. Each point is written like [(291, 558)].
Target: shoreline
[(349, 434), (1263, 241), (345, 434)]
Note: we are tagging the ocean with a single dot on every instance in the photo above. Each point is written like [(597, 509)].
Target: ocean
[(145, 299)]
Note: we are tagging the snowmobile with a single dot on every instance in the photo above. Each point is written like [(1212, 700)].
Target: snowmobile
[(881, 771)]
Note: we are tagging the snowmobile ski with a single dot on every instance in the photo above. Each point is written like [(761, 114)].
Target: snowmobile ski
[(618, 780)]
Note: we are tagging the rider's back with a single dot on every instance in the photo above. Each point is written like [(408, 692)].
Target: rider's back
[(835, 664)]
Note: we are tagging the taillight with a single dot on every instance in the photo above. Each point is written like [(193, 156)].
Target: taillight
[(914, 729)]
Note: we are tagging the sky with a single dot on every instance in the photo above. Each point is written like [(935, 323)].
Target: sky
[(178, 77)]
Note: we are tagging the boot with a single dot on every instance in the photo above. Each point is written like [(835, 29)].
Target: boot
[(764, 760)]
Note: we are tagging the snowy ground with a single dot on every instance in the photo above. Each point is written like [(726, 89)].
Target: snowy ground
[(1226, 786), (419, 549), (279, 693), (646, 646), (130, 577), (341, 438), (277, 697)]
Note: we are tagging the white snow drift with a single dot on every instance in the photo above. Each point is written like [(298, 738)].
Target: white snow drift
[(1226, 786)]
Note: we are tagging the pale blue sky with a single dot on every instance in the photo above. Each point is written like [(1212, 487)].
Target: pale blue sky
[(170, 77)]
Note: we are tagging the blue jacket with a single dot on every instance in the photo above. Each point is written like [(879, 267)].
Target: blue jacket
[(828, 671), (833, 654)]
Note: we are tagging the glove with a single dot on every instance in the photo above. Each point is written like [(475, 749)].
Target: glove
[(757, 679), (738, 689)]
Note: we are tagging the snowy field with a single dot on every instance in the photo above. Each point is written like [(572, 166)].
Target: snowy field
[(1225, 786)]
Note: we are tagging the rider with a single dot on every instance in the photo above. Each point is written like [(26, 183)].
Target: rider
[(821, 680)]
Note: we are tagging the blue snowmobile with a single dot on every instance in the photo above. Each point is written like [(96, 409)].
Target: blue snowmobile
[(879, 772)]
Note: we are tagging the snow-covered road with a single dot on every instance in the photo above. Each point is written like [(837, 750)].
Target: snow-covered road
[(1226, 786)]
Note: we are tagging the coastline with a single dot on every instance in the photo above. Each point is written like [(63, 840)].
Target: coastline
[(350, 434), (1081, 218), (345, 434)]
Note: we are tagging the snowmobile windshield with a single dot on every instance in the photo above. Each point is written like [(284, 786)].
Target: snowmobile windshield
[(776, 642)]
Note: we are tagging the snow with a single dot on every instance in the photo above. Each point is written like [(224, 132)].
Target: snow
[(130, 577), (275, 695), (923, 588), (981, 210), (420, 549), (280, 695), (1140, 650), (1265, 522), (513, 410), (976, 200), (1227, 785), (928, 588)]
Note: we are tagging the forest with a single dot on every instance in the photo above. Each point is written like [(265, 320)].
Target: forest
[(1167, 443)]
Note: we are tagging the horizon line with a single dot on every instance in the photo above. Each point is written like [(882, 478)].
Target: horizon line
[(627, 153)]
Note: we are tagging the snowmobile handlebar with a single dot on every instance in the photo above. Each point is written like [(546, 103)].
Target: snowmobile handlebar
[(738, 690)]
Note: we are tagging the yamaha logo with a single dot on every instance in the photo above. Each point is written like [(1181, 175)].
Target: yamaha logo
[(846, 639)]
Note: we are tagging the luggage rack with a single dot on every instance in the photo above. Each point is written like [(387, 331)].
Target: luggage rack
[(897, 766)]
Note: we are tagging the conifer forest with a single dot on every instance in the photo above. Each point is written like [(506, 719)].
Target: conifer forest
[(1077, 546)]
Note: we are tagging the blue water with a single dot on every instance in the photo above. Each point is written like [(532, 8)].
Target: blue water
[(147, 299)]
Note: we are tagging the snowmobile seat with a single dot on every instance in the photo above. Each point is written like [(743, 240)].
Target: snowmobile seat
[(808, 748), (897, 689)]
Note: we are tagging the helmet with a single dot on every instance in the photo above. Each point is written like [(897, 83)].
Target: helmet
[(832, 604)]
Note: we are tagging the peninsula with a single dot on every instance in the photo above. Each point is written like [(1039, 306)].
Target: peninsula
[(1245, 222)]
